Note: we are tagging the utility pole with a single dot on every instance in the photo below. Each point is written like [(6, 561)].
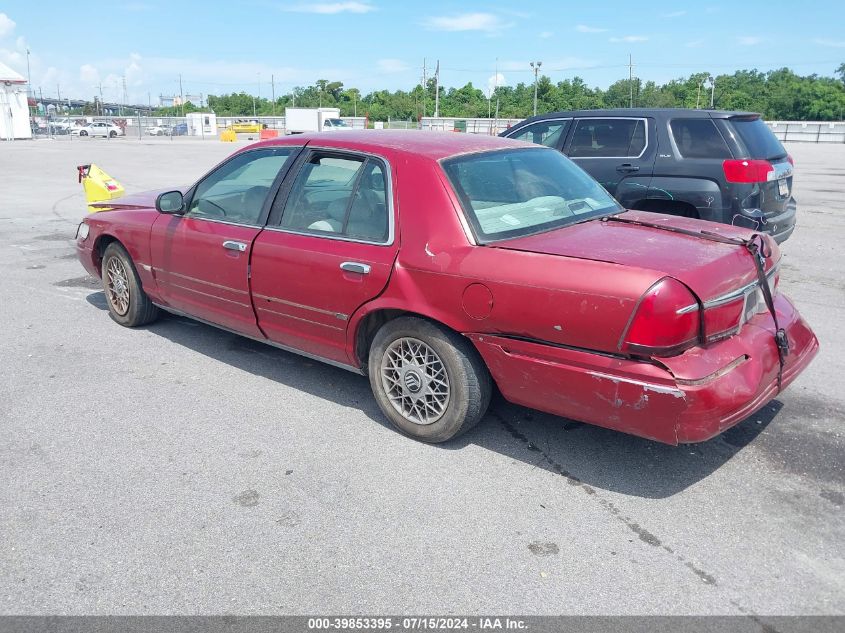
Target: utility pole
[(631, 80), (28, 76), (100, 109), (536, 67), (273, 92), (181, 96), (424, 87), (712, 90), (259, 87), (125, 98), (437, 90)]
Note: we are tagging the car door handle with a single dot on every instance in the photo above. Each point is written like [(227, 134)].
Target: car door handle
[(627, 168), (232, 245), (355, 267)]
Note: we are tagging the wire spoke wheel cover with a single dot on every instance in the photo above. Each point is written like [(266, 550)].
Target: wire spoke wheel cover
[(415, 380), (117, 286)]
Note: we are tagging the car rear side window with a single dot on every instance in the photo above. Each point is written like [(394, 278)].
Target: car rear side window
[(699, 138), (758, 138), (596, 138), (548, 133), (341, 196)]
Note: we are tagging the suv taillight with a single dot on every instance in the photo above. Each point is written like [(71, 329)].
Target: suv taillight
[(748, 170), (666, 322)]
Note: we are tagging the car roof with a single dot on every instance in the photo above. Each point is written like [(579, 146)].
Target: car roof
[(687, 113), (432, 145)]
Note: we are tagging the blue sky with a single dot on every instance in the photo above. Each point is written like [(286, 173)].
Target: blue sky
[(225, 47)]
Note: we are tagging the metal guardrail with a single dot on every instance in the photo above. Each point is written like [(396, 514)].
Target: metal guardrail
[(809, 131)]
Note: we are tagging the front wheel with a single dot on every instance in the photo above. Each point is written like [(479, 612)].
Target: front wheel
[(429, 381), (128, 304), (112, 134), (83, 133)]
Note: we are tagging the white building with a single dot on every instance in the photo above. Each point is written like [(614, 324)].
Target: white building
[(14, 109)]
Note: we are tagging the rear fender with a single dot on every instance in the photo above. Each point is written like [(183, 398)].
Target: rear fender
[(705, 195)]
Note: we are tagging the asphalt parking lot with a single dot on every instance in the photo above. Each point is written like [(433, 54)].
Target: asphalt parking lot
[(177, 468)]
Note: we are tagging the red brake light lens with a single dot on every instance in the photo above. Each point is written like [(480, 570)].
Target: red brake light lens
[(666, 322), (790, 159), (748, 170), (723, 320)]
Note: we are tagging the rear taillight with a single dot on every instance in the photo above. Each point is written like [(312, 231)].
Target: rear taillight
[(723, 320), (748, 170), (666, 321), (790, 159)]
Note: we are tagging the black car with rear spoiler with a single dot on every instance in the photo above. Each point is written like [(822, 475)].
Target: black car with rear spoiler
[(712, 165)]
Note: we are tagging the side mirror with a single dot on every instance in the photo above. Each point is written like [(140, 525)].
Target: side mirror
[(171, 202)]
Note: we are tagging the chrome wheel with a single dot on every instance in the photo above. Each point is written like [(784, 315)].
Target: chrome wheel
[(117, 286), (415, 380)]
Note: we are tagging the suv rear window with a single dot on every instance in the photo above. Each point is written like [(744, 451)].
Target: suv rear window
[(758, 138), (699, 138), (607, 137)]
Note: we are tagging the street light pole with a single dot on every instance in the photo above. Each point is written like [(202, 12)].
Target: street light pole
[(712, 90), (536, 67)]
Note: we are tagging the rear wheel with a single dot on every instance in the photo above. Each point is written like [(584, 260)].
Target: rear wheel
[(428, 381), (128, 304)]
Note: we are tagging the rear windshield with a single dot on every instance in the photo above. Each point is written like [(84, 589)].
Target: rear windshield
[(758, 138), (518, 192)]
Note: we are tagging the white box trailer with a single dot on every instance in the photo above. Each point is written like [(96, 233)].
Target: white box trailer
[(299, 120)]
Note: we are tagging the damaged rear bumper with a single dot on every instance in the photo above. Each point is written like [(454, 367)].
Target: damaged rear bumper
[(691, 397)]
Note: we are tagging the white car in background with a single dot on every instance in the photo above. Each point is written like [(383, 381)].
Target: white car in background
[(98, 128)]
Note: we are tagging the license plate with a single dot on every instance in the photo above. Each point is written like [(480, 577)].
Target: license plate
[(783, 187)]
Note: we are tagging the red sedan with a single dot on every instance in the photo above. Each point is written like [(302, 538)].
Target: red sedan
[(440, 264)]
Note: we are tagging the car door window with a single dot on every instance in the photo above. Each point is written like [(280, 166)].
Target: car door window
[(548, 133), (236, 191), (699, 138), (339, 196), (620, 138)]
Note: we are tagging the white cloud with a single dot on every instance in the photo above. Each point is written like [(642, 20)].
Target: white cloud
[(695, 43), (391, 66), (494, 81), (831, 43), (583, 28), (630, 39), (329, 8), (546, 35), (89, 75), (486, 22), (749, 40), (673, 14), (7, 25)]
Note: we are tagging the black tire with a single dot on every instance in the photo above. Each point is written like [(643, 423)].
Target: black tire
[(112, 134), (137, 308), (469, 382), (83, 133)]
